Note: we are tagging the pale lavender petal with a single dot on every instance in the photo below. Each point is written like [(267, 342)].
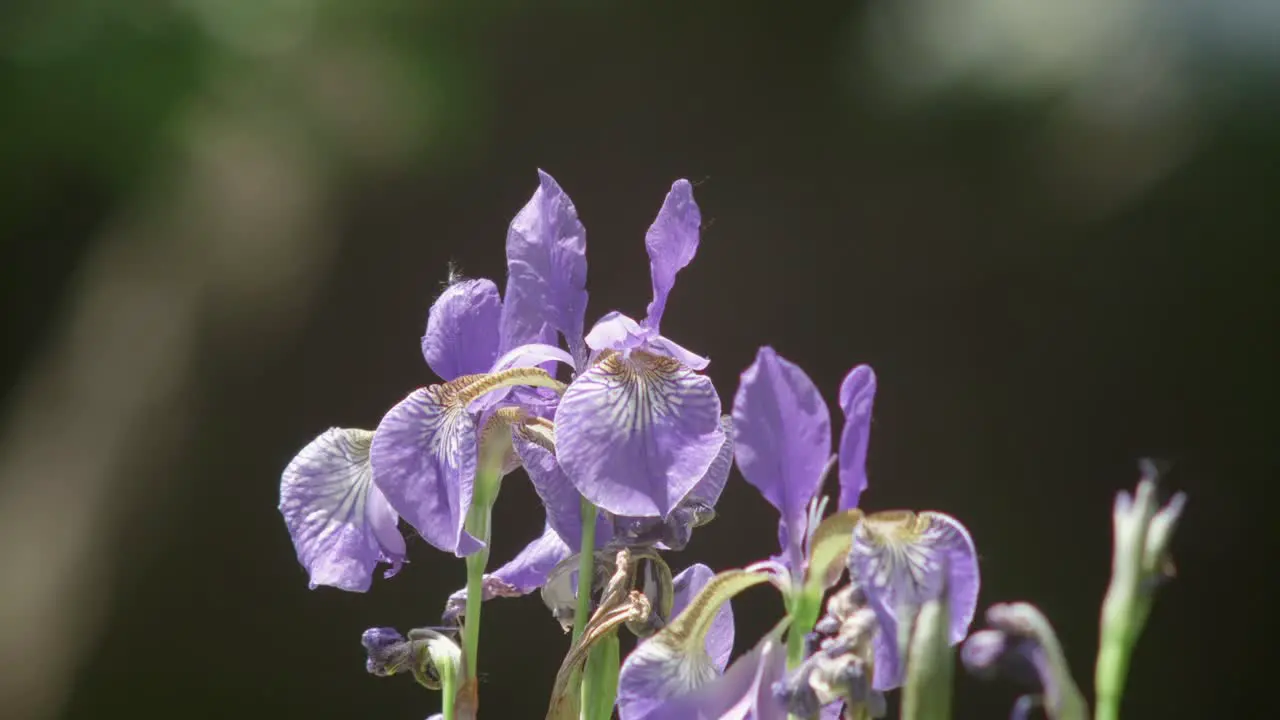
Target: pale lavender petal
[(636, 434), (720, 635), (340, 523), (531, 355), (672, 241), (616, 331), (546, 271), (525, 356), (424, 458), (898, 559), (526, 572), (662, 346), (462, 329), (743, 692), (832, 711), (561, 499), (857, 395), (782, 433)]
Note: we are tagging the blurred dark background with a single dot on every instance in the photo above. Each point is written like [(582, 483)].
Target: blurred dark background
[(1049, 226)]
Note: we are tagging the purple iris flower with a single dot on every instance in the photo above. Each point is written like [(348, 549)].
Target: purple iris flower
[(427, 449), (639, 427), (657, 670), (783, 440), (783, 437), (343, 494)]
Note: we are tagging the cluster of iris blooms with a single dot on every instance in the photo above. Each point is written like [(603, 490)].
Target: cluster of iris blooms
[(629, 457)]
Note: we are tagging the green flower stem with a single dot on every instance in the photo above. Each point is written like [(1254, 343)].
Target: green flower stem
[(804, 615), (1120, 629), (586, 568), (448, 689), (478, 517), (600, 681)]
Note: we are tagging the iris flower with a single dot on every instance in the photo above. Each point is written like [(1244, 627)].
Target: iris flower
[(341, 497), (896, 559), (639, 427)]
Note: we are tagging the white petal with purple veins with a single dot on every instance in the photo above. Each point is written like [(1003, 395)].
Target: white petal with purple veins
[(341, 525)]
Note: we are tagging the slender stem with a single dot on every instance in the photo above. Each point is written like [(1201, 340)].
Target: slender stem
[(1114, 652), (471, 620), (478, 525), (448, 689), (586, 568), (804, 615), (600, 680)]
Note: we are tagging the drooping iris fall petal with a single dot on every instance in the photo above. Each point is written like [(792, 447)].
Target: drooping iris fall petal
[(341, 524), (635, 433), (898, 559), (424, 456), (523, 574)]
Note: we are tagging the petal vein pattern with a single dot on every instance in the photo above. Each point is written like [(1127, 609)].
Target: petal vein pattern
[(635, 434)]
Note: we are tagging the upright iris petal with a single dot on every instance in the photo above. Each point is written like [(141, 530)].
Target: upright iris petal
[(635, 433), (672, 241), (546, 272), (897, 559), (857, 395), (341, 524), (783, 436), (462, 329)]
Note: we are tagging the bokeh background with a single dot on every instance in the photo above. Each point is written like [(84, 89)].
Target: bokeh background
[(1050, 226)]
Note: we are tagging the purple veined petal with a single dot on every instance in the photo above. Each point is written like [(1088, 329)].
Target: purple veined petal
[(662, 346), (562, 500), (616, 331), (462, 329), (526, 572), (672, 241), (340, 523), (686, 586), (424, 457), (897, 559), (782, 433), (546, 271), (636, 434), (857, 395), (743, 692)]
